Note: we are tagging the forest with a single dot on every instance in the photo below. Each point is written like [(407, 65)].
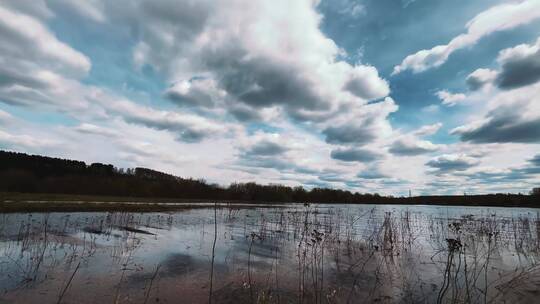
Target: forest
[(24, 173)]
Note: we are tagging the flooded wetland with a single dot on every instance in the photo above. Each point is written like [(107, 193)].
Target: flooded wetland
[(277, 254)]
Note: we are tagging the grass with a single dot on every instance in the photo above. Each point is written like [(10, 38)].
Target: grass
[(51, 202), (12, 202)]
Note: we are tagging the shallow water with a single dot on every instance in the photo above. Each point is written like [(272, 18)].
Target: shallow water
[(282, 254)]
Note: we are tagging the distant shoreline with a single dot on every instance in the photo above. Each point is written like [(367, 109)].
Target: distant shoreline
[(41, 183), (15, 202)]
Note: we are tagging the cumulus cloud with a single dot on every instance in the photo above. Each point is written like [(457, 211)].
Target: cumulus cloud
[(87, 128), (489, 175), (365, 83), (450, 99), (36, 67), (266, 148), (5, 117), (372, 172), (363, 127), (452, 162), (512, 116), (267, 67), (410, 146), (35, 8), (520, 66), (479, 78), (22, 141), (259, 54), (186, 127), (27, 40), (428, 130), (535, 160), (355, 155), (91, 9), (501, 126), (497, 18), (195, 92)]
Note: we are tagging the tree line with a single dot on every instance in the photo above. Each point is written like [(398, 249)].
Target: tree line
[(20, 172)]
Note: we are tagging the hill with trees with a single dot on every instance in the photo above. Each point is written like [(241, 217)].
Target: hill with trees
[(20, 172)]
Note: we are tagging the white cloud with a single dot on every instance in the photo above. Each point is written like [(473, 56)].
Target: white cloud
[(497, 18), (35, 8), (520, 66), (452, 162), (196, 92), (479, 78), (252, 61), (91, 9), (185, 126), (23, 141), (5, 117), (260, 54), (428, 130), (411, 146), (27, 40), (450, 99), (509, 116)]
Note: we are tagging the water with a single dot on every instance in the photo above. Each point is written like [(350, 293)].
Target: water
[(278, 254)]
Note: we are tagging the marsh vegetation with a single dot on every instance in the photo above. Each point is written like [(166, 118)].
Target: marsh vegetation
[(282, 254)]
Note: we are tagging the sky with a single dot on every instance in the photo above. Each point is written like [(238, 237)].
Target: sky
[(379, 96)]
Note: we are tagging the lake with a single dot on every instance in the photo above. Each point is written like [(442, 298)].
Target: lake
[(290, 253)]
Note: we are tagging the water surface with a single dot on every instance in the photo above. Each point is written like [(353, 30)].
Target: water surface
[(279, 254)]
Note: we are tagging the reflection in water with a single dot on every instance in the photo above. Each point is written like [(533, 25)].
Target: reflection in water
[(284, 254)]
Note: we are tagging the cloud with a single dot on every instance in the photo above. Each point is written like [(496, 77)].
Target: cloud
[(344, 134), (39, 70), (5, 117), (410, 146), (350, 8), (479, 78), (365, 83), (23, 141), (355, 155), (372, 173), (267, 148), (87, 128), (503, 125), (186, 127), (195, 92), (452, 162), (428, 130), (535, 160), (232, 68), (450, 99), (512, 116), (27, 40), (520, 66), (91, 9), (362, 127), (489, 175), (497, 18), (259, 54), (332, 175), (35, 8)]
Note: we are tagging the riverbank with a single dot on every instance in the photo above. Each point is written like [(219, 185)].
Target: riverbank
[(51, 202)]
